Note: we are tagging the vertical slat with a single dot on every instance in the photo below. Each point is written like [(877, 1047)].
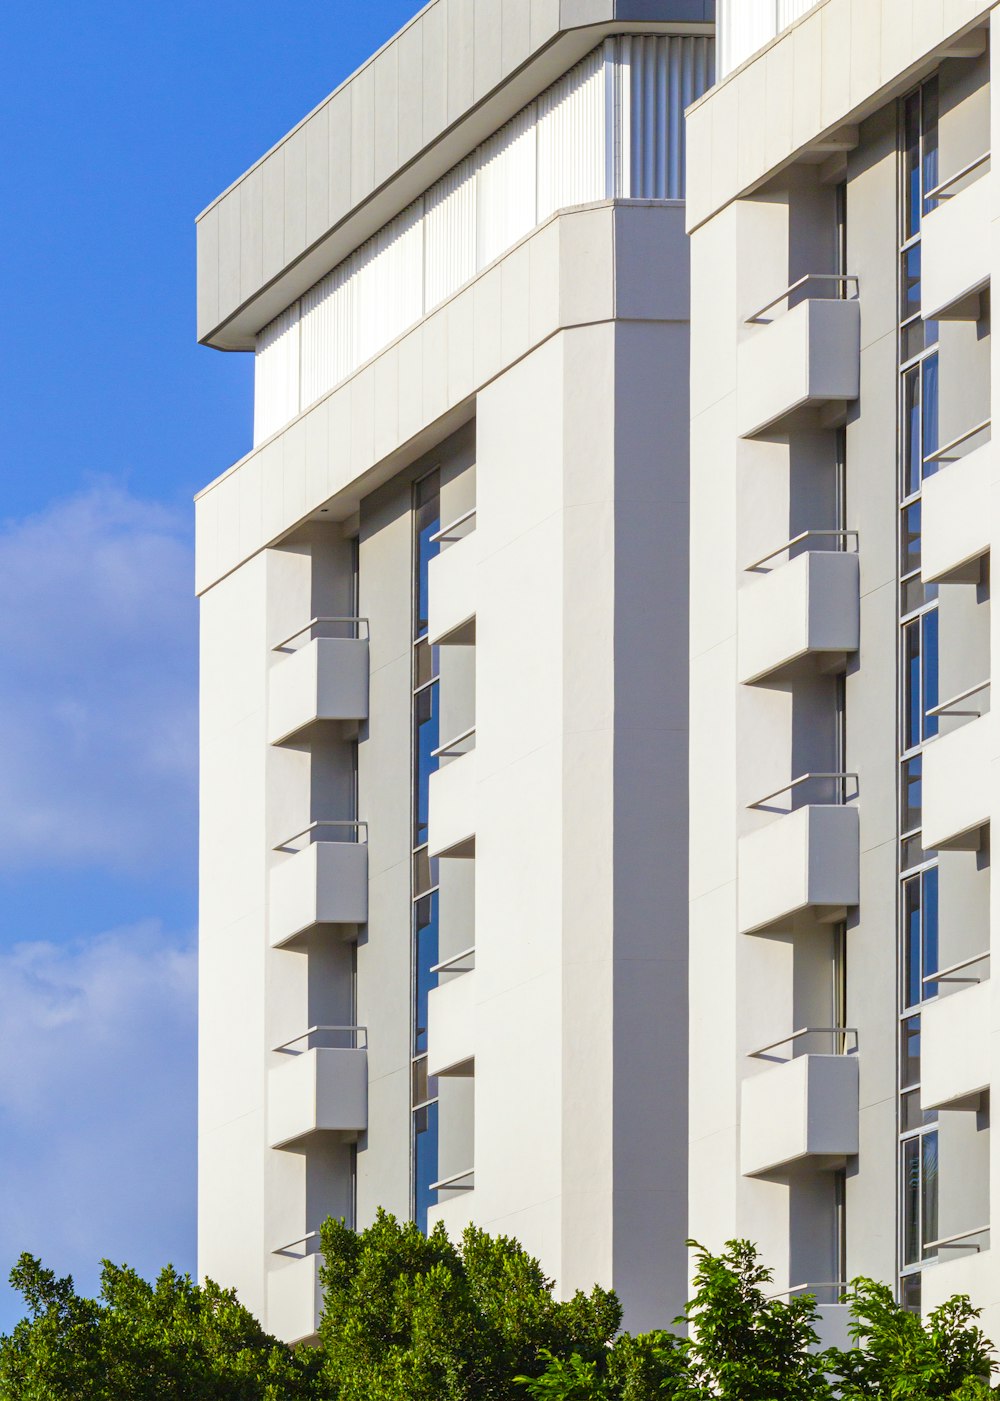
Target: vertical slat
[(613, 125)]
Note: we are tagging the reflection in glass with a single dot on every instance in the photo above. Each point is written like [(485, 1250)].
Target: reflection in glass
[(425, 956), (425, 1161)]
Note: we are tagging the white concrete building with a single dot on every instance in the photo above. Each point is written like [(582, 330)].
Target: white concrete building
[(843, 763), (490, 931), (444, 685)]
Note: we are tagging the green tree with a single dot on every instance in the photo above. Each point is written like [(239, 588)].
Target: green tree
[(172, 1341), (417, 1317), (899, 1357)]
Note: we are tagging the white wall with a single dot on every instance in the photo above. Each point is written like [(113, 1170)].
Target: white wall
[(744, 26), (612, 126)]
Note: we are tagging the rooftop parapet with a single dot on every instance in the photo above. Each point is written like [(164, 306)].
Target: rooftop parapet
[(456, 73)]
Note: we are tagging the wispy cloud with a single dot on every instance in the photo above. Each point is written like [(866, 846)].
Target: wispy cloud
[(97, 1103), (97, 686)]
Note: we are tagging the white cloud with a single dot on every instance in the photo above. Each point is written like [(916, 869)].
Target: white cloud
[(97, 1103), (97, 687)]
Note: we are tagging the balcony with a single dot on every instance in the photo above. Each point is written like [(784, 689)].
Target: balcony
[(955, 246), (451, 1017), (833, 1315), (451, 826), (955, 511), (801, 618), (452, 583), (964, 1266), (803, 868), (955, 1041), (455, 1205), (802, 1112), (321, 680), (323, 885), (804, 366), (956, 778), (294, 1293), (319, 1089)]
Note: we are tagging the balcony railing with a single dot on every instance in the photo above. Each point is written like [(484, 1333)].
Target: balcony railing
[(455, 530), (841, 1032), (454, 748), (350, 1038), (789, 545), (843, 795), (325, 829), (841, 279), (350, 628), (464, 962)]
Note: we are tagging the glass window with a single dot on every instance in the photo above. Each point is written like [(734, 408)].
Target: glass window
[(913, 943), (426, 723), (912, 689), (929, 652), (425, 956), (929, 929), (427, 523), (929, 398), (425, 1162), (910, 559), (911, 165), (912, 475), (911, 1201), (911, 796), (929, 141), (929, 1189), (909, 1053)]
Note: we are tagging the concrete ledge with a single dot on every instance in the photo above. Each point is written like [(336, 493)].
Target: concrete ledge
[(804, 863), (802, 1112), (575, 270), (955, 1049)]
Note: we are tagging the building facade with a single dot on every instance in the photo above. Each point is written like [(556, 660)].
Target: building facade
[(444, 751), (841, 208)]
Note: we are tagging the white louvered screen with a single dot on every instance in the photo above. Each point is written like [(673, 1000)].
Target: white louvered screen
[(611, 126), (572, 138), (744, 26), (505, 186), (276, 374), (450, 233)]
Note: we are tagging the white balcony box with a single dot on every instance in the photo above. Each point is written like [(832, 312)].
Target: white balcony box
[(809, 358), (955, 254), (451, 822), (955, 519), (803, 616), (962, 1270), (295, 1299), (325, 883), (803, 865), (801, 1113), (321, 1090), (956, 787), (834, 1327), (457, 1212), (451, 1020), (955, 1049), (325, 680), (451, 592)]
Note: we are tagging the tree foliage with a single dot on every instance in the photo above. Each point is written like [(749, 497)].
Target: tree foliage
[(414, 1318), (172, 1341)]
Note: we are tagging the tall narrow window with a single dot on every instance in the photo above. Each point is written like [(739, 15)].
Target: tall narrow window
[(424, 879), (919, 440)]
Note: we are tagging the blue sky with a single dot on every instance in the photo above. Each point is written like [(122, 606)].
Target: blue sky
[(121, 122)]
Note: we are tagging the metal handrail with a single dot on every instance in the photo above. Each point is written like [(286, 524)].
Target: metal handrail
[(842, 278), (453, 1181), (325, 822), (945, 706), (844, 1031), (302, 1240), (940, 453), (313, 1030), (315, 622), (446, 964), (802, 778), (443, 749), (797, 540), (959, 1238), (944, 975), (842, 1284), (937, 192), (442, 534)]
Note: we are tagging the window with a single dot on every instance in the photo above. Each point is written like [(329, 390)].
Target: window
[(918, 690), (424, 893)]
